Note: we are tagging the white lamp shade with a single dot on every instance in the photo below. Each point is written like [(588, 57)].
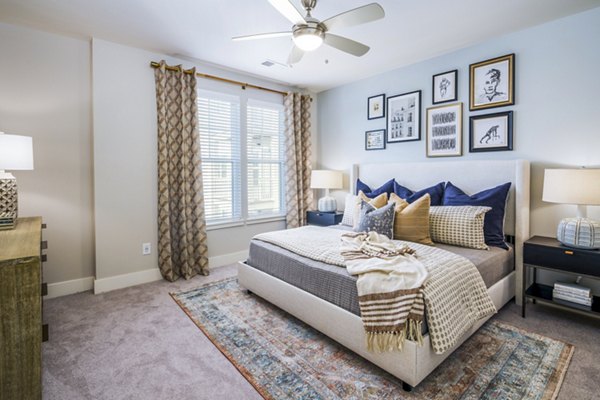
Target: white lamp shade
[(572, 186), (325, 179), (16, 152)]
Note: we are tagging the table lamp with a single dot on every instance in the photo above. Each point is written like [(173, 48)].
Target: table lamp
[(580, 187), (325, 179), (16, 153)]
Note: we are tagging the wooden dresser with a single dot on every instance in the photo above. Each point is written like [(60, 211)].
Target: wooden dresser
[(21, 311)]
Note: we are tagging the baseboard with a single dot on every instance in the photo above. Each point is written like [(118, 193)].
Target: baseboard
[(126, 280), (59, 289), (226, 259)]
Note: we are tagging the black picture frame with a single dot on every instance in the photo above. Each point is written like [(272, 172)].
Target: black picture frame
[(484, 96), (371, 114), (402, 125), (476, 137), (373, 132), (453, 81)]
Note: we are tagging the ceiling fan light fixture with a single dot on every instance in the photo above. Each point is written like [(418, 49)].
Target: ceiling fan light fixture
[(308, 38)]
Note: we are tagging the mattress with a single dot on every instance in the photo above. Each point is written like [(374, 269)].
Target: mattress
[(333, 283)]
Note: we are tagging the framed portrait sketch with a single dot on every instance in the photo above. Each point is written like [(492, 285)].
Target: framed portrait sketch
[(445, 87), (404, 117), (492, 83), (375, 140), (491, 132), (444, 130), (376, 106)]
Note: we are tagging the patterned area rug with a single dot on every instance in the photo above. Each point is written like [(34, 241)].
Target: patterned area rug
[(283, 358)]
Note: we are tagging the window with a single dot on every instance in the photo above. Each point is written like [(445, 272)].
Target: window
[(242, 157)]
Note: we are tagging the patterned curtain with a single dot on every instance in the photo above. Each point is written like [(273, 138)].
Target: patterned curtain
[(182, 249), (298, 195)]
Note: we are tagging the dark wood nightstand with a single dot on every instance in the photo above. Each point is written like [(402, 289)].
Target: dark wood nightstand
[(324, 218), (547, 253)]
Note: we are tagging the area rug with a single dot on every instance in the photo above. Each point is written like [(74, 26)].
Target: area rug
[(283, 358)]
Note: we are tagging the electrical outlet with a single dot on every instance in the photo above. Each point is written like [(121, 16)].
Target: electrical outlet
[(146, 249)]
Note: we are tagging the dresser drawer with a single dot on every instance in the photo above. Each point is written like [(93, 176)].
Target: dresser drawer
[(585, 262)]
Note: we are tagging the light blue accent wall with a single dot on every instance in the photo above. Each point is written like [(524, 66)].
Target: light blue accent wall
[(556, 113)]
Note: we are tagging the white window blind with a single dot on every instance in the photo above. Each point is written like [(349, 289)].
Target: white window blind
[(265, 159), (219, 126)]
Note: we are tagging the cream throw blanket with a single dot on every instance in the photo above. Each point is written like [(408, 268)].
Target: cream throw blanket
[(454, 294), (390, 288)]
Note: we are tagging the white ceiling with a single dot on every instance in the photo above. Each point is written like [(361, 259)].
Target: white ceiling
[(202, 29)]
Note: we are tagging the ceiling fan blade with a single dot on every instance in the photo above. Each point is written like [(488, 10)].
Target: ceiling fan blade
[(347, 45), (357, 16), (295, 55), (288, 10), (261, 36)]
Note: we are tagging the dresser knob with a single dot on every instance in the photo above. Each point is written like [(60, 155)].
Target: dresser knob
[(569, 252)]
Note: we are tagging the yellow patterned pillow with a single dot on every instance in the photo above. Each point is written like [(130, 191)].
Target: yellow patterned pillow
[(376, 202), (411, 222)]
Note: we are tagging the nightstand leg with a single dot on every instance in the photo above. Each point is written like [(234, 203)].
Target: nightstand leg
[(523, 297)]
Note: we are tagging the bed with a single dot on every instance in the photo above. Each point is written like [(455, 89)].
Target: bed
[(341, 322)]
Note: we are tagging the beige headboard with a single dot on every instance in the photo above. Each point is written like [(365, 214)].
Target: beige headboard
[(470, 176)]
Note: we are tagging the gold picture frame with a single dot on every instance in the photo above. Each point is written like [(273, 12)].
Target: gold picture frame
[(492, 83)]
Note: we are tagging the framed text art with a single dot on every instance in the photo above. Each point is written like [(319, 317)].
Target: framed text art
[(492, 83), (375, 140), (444, 130), (444, 87), (376, 106), (404, 117), (491, 132)]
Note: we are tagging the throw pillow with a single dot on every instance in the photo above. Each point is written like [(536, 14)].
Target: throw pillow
[(387, 188), (377, 202), (380, 220), (349, 207), (494, 198), (436, 192), (458, 225), (411, 221)]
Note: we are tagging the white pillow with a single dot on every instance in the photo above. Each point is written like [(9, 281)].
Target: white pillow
[(350, 204)]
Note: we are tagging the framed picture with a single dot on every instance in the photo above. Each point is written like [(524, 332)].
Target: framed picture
[(375, 140), (404, 117), (492, 83), (376, 106), (491, 132), (444, 130), (445, 87)]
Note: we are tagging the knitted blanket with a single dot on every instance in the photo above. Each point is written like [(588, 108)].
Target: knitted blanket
[(390, 289), (455, 295)]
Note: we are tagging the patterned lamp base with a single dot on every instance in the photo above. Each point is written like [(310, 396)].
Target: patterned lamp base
[(8, 202), (580, 233), (327, 204)]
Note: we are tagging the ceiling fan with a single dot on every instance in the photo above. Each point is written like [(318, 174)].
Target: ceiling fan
[(309, 33)]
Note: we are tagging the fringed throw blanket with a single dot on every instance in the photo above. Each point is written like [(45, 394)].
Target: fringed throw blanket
[(390, 289), (455, 295)]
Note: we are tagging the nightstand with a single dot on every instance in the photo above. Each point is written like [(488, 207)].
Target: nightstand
[(547, 253), (324, 218)]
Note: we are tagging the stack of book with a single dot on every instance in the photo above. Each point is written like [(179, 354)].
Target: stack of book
[(573, 293)]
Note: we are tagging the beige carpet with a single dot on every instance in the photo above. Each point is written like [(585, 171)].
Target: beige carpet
[(136, 343)]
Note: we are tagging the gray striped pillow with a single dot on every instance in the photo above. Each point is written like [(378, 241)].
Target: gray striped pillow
[(458, 225)]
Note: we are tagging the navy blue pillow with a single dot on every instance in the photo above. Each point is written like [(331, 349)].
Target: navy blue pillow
[(387, 187), (493, 224), (436, 192)]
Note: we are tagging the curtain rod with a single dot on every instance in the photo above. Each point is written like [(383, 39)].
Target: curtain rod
[(154, 64)]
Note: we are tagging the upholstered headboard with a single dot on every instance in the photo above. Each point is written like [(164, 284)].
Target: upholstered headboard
[(470, 176)]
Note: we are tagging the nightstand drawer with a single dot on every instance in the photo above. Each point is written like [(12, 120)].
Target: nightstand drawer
[(577, 261), (323, 218)]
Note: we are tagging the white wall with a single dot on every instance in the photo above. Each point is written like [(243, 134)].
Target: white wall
[(555, 115), (45, 93), (125, 169)]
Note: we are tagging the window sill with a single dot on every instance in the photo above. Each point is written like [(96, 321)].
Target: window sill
[(250, 221)]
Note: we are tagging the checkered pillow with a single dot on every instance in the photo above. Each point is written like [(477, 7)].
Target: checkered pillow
[(458, 225)]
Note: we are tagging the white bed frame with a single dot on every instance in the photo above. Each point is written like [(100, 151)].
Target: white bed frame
[(414, 362)]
